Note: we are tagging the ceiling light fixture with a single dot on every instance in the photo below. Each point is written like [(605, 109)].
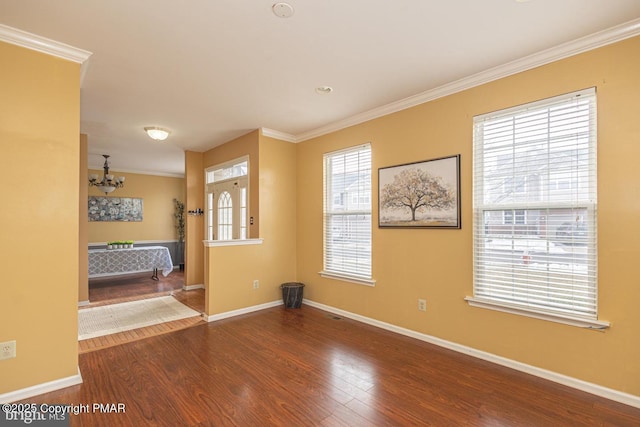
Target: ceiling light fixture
[(108, 183), (324, 90), (157, 133), (282, 10)]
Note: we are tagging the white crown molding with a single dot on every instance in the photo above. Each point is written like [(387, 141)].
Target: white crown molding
[(38, 389), (565, 50), (598, 390), (283, 136), (42, 44), (45, 45)]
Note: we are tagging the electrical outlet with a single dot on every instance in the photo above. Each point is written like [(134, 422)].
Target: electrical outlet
[(422, 304), (256, 284), (7, 350)]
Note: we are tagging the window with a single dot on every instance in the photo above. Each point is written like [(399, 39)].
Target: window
[(514, 217), (225, 216), (227, 192), (347, 214), (243, 212), (534, 203)]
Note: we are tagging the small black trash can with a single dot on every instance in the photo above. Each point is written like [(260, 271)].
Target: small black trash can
[(292, 294)]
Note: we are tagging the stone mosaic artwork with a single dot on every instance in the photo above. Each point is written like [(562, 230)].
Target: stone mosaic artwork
[(127, 209)]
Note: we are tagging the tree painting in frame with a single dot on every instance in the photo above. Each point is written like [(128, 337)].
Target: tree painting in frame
[(423, 194)]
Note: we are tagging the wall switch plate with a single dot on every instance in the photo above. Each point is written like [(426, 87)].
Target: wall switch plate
[(422, 304), (256, 284), (7, 350)]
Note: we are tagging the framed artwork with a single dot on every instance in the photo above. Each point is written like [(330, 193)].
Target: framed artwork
[(124, 209), (423, 194)]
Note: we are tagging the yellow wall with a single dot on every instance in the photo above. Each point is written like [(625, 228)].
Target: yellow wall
[(83, 228), (437, 264), (231, 270), (194, 224), (39, 128), (157, 193)]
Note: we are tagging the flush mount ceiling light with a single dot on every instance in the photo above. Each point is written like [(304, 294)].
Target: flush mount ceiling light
[(282, 10), (159, 134), (108, 183), (324, 90)]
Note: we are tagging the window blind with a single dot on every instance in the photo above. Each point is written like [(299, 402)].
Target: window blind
[(534, 203), (347, 212)]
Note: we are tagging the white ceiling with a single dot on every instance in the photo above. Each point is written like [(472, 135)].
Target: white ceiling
[(212, 70)]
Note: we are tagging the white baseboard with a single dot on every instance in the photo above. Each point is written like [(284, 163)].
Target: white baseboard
[(83, 303), (607, 393), (192, 287), (35, 390), (225, 315)]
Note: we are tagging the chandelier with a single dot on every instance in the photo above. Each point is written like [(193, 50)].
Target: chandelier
[(108, 182)]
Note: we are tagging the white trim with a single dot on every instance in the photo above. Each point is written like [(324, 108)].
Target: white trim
[(556, 53), (137, 172), (598, 390), (552, 317), (347, 278), (192, 287), (44, 45), (84, 303), (540, 104), (235, 242), (137, 242), (283, 136), (238, 312), (36, 390), (228, 164)]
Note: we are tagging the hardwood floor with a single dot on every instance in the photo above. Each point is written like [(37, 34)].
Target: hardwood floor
[(114, 289), (306, 367), (117, 289)]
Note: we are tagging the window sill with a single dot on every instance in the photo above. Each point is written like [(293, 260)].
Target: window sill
[(347, 278), (239, 242), (552, 317)]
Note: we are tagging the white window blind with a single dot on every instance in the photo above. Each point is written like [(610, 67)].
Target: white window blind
[(534, 202), (347, 213)]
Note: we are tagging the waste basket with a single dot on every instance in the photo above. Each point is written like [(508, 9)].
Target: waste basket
[(292, 294)]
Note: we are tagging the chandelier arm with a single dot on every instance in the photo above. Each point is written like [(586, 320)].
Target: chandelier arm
[(108, 183)]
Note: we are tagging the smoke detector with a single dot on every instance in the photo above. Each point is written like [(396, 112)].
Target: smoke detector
[(282, 10)]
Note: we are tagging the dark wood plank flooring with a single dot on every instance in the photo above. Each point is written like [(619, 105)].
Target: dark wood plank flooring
[(114, 289), (305, 367), (117, 289)]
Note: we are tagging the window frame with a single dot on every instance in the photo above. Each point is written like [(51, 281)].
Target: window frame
[(488, 280), (240, 231), (364, 275)]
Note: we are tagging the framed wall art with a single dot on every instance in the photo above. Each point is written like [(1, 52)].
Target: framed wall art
[(423, 194), (124, 209)]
